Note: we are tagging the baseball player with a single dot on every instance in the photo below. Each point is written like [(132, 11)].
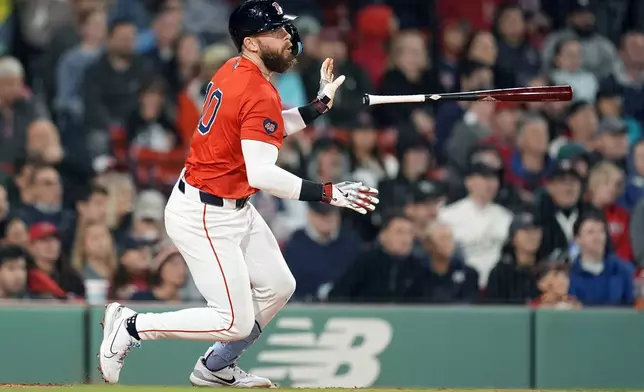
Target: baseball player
[(229, 249)]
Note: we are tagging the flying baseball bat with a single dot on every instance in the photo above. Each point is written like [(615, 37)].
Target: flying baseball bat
[(519, 94)]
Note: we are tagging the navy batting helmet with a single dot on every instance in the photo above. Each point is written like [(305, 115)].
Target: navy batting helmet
[(257, 16)]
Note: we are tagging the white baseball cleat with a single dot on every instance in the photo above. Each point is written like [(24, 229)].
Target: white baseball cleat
[(232, 376), (116, 343)]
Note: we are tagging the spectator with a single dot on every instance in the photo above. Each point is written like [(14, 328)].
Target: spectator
[(628, 76), (598, 53), (503, 130), (168, 275), (474, 127), (120, 204), (63, 38), (320, 253), (166, 30), (554, 286), (147, 222), (388, 272), (367, 164), (410, 73), (44, 146), (610, 103), (514, 278), (415, 162), (530, 164), (582, 122), (18, 186), (517, 56), (71, 67), (50, 275), (605, 184), (578, 156), (13, 272), (348, 99), (567, 70), (47, 203), (110, 85), (15, 233), (479, 225), (559, 208), (507, 194), (133, 271), (150, 126), (472, 76), (597, 278), (424, 200), (91, 207), (18, 108), (612, 142), (635, 177), (94, 253), (450, 280), (452, 37), (184, 66)]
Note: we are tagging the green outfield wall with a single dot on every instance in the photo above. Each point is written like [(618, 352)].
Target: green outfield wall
[(326, 346)]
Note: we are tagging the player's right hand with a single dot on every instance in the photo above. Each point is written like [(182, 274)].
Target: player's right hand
[(354, 195), (328, 83)]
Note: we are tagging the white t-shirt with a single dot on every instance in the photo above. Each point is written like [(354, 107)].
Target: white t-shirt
[(480, 231)]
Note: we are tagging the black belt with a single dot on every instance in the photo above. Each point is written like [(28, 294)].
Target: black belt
[(213, 200)]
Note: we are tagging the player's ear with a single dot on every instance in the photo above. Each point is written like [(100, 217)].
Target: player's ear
[(251, 44)]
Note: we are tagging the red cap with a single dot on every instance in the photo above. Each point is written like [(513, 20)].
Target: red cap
[(41, 230)]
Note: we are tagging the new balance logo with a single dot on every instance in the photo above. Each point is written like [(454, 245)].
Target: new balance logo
[(344, 355)]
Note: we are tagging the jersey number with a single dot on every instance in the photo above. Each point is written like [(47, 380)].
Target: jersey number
[(210, 108)]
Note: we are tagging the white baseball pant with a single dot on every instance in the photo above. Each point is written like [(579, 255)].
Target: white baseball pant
[(236, 264)]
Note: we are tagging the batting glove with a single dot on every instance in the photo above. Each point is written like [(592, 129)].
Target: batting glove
[(328, 85), (353, 195)]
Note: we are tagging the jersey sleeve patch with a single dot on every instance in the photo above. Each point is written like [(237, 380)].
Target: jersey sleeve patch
[(270, 126)]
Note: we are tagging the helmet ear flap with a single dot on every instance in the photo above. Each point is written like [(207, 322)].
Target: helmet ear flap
[(298, 46)]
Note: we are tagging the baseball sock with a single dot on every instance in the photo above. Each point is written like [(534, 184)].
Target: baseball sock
[(130, 325), (225, 354)]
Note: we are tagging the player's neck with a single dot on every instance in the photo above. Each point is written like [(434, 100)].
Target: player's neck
[(253, 58)]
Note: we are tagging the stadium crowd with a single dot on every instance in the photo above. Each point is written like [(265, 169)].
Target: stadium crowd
[(484, 202)]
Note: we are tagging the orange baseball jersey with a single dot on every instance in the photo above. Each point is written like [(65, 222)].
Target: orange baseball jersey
[(240, 104)]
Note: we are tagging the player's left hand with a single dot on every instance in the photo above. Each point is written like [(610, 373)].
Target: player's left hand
[(328, 85), (354, 195)]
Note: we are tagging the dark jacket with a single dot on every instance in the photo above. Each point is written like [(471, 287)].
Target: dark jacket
[(510, 283), (458, 285), (314, 264), (378, 277), (110, 94), (554, 244), (613, 287)]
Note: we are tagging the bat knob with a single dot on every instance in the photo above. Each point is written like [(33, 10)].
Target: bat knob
[(365, 99)]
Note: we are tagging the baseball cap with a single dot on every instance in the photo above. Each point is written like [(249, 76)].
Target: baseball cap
[(322, 208), (571, 151), (41, 230), (580, 6), (425, 190), (149, 205), (522, 221), (612, 126), (483, 170), (563, 168)]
